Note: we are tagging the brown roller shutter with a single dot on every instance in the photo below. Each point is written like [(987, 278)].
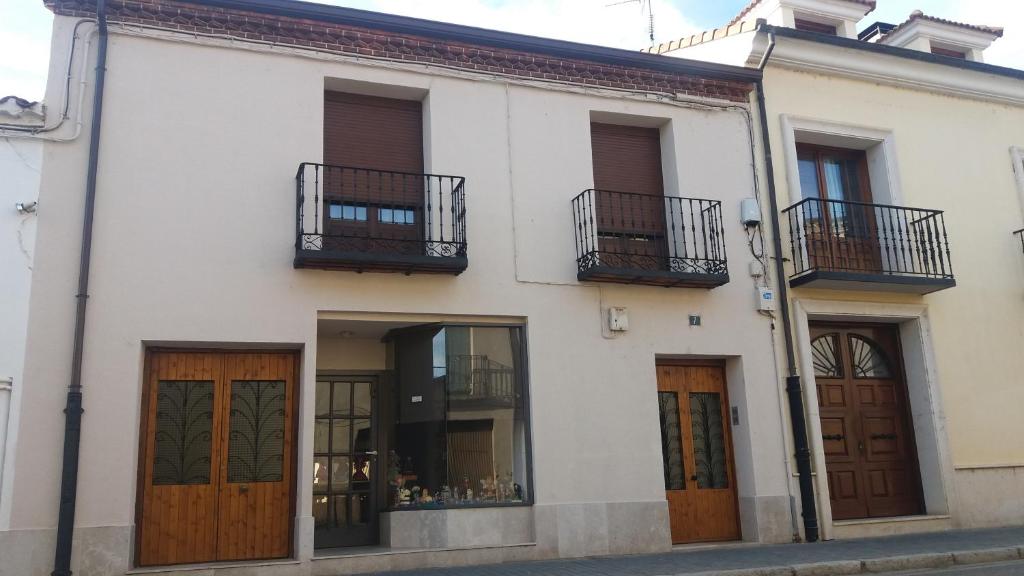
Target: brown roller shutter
[(629, 200), (627, 159), (379, 142), (373, 132)]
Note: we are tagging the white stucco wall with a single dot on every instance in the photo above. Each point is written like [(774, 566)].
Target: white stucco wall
[(20, 164), (194, 243)]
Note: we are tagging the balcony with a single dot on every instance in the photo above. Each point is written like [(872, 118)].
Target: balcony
[(476, 380), (377, 221), (857, 246), (631, 238)]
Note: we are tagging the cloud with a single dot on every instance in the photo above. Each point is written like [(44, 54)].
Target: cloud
[(1008, 50)]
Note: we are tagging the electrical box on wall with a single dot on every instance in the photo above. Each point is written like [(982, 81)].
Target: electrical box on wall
[(618, 320), (750, 212), (765, 299)]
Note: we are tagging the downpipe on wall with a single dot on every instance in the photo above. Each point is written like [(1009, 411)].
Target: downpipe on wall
[(73, 410), (794, 391)]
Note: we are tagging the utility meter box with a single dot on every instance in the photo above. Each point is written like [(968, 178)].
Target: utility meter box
[(618, 320), (765, 299), (750, 212)]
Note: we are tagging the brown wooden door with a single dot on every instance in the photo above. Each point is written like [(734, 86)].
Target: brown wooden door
[(217, 465), (630, 197), (838, 235), (866, 429), (380, 194), (700, 481)]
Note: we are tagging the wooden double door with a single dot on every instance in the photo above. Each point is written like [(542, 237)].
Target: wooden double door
[(217, 473), (870, 455), (700, 480)]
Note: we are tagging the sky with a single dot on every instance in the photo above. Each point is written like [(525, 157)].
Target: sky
[(25, 25)]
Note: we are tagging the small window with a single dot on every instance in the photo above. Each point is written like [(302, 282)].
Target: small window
[(347, 211), (812, 26), (396, 215), (950, 53)]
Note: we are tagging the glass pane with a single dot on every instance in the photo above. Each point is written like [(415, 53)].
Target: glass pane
[(460, 435), (320, 474), (363, 440), (825, 354), (867, 359), (386, 215), (671, 441), (184, 420), (335, 211), (361, 213), (323, 399), (321, 430), (339, 512), (340, 436), (360, 508), (708, 434), (256, 434), (342, 398), (349, 212), (808, 169), (320, 511), (339, 473), (363, 401)]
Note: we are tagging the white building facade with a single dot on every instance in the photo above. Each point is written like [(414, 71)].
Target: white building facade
[(357, 281)]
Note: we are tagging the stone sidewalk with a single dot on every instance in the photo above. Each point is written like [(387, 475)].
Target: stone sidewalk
[(867, 555)]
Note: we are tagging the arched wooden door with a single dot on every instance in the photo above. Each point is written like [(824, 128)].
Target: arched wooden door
[(870, 455), (217, 469)]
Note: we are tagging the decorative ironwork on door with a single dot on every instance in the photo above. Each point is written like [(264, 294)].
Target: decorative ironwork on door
[(183, 437), (256, 437)]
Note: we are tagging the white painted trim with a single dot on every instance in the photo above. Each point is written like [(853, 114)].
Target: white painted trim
[(1017, 155), (927, 414), (865, 137), (865, 66), (988, 466), (7, 402)]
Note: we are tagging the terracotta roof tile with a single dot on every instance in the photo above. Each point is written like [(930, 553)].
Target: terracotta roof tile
[(753, 3), (918, 15), (702, 37)]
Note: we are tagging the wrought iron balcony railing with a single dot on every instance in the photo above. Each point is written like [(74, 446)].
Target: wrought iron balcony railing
[(842, 244), (477, 377), (373, 220), (644, 239)]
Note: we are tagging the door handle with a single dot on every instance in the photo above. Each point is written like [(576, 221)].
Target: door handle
[(243, 489), (832, 436), (371, 452), (883, 436)]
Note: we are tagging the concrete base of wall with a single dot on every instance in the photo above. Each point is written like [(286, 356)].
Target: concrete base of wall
[(98, 550), (429, 538), (766, 519), (990, 497), (842, 529)]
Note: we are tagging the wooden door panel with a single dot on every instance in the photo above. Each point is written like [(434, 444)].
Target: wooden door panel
[(703, 505), (192, 506), (873, 471), (257, 441), (178, 520)]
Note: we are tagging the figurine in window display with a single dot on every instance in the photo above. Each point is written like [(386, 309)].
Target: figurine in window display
[(425, 497), (518, 491), (404, 496), (444, 495), (416, 494), (487, 491), (467, 492)]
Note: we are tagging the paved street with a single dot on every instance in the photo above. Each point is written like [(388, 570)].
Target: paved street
[(752, 556), (999, 569)]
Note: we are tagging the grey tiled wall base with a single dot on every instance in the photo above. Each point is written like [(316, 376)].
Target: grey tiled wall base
[(98, 550), (594, 529), (440, 529)]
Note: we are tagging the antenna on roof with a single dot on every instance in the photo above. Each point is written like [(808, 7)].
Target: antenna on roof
[(645, 6)]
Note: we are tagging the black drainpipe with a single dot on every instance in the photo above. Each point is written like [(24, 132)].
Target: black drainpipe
[(793, 389), (73, 409)]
